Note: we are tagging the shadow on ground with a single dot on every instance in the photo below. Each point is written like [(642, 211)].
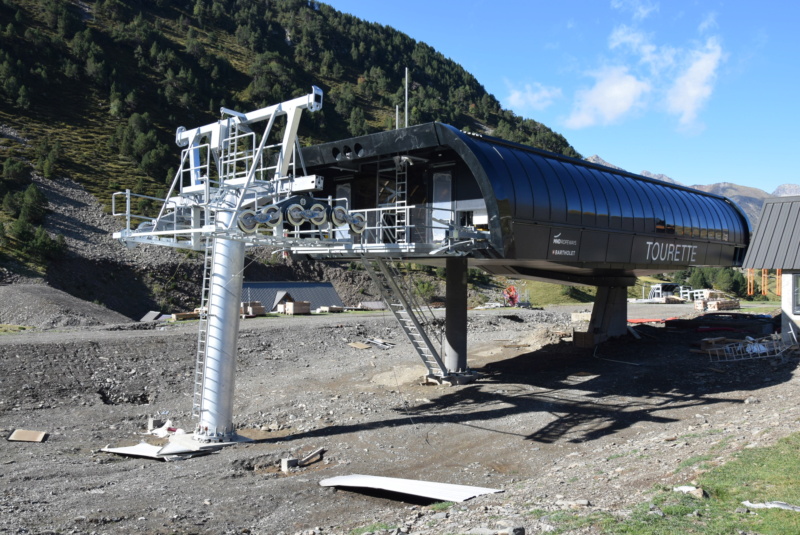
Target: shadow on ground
[(589, 394)]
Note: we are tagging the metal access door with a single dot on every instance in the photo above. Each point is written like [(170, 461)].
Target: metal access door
[(442, 197)]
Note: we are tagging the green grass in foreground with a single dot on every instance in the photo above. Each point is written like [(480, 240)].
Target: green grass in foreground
[(368, 529), (6, 329), (758, 475)]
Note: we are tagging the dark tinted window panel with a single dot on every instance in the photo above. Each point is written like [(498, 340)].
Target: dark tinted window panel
[(663, 196), (698, 213), (694, 212), (683, 226), (502, 188), (570, 192), (649, 205), (740, 230), (727, 219), (625, 204), (557, 197), (705, 221), (594, 179), (667, 223), (611, 198), (715, 223), (717, 218), (523, 196), (542, 197), (639, 211), (585, 194)]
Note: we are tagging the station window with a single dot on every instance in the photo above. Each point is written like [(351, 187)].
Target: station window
[(796, 293)]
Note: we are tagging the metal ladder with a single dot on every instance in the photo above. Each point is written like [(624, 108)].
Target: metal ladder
[(202, 332), (401, 203), (412, 317)]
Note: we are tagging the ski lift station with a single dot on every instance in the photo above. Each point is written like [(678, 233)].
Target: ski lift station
[(430, 194)]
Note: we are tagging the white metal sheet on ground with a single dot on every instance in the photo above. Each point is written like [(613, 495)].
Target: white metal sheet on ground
[(426, 489), (143, 449), (150, 451)]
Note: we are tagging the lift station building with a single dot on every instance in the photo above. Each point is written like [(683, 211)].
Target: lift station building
[(535, 214)]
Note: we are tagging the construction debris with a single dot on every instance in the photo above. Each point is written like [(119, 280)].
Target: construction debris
[(771, 505), (380, 343), (23, 435), (728, 350), (291, 462), (757, 325), (425, 489)]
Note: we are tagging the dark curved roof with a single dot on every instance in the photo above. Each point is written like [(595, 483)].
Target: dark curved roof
[(535, 185), (555, 217)]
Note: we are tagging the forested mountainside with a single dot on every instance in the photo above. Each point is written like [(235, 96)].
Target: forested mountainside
[(98, 88)]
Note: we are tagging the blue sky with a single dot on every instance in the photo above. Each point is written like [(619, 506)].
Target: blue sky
[(701, 91)]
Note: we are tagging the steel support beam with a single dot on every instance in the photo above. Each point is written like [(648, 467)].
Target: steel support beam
[(455, 354)]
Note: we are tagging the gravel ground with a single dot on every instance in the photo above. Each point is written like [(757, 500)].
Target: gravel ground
[(555, 427)]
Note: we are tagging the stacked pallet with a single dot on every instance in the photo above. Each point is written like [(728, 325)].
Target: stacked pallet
[(723, 304), (717, 304), (253, 308), (294, 308)]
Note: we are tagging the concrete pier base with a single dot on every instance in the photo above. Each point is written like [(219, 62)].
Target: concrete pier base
[(609, 316)]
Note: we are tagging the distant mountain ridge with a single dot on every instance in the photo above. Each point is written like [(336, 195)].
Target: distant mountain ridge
[(749, 199)]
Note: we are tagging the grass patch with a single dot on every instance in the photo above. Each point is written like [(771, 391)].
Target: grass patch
[(372, 527), (544, 293), (768, 308), (441, 506), (9, 329), (691, 461), (568, 521), (758, 475)]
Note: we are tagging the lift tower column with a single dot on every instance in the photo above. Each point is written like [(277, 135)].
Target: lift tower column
[(232, 181), (219, 377)]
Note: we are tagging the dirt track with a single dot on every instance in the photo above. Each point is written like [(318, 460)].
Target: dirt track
[(551, 425)]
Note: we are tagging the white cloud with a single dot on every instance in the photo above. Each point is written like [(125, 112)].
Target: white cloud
[(533, 96), (641, 9), (615, 93), (709, 23), (657, 58), (693, 87)]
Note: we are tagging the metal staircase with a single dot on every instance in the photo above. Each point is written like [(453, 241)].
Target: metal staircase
[(202, 333), (415, 320)]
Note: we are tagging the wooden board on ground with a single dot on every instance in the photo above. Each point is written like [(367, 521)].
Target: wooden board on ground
[(180, 316), (24, 435), (359, 345)]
